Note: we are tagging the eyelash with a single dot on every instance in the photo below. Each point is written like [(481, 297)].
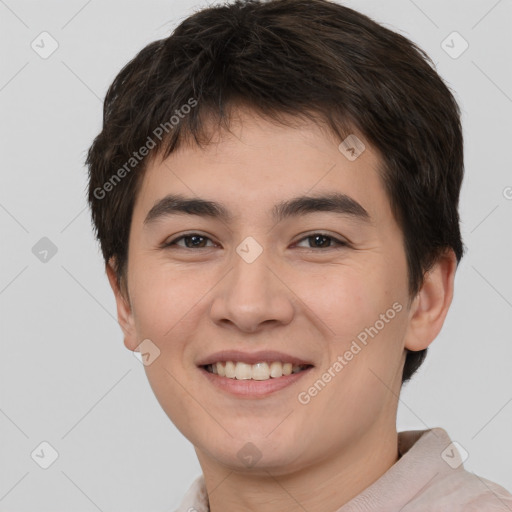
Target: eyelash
[(340, 243)]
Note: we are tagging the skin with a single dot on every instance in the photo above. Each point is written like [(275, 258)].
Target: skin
[(297, 297)]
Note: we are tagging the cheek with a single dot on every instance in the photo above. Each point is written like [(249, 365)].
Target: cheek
[(345, 299), (363, 316), (366, 365), (166, 301), (166, 306)]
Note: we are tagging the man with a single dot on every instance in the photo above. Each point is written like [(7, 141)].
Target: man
[(275, 190)]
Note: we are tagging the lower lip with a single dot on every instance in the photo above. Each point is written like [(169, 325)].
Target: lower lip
[(249, 388)]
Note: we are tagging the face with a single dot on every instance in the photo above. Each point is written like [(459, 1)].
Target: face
[(323, 285)]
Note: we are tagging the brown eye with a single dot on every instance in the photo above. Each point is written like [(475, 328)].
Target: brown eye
[(192, 241), (322, 241)]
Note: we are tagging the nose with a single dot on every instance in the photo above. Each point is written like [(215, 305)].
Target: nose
[(252, 295)]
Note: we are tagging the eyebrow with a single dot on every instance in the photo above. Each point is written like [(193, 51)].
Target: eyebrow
[(176, 204)]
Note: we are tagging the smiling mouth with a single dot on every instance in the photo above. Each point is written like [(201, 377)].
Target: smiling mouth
[(259, 371)]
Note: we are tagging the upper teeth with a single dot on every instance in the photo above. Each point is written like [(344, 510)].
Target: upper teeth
[(258, 371)]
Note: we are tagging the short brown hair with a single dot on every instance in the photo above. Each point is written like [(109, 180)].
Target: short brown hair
[(311, 59)]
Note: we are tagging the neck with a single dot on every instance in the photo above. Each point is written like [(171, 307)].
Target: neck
[(324, 486)]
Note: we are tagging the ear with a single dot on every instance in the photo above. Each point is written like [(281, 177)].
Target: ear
[(430, 306), (124, 309)]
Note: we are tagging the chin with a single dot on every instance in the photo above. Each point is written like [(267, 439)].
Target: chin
[(254, 454)]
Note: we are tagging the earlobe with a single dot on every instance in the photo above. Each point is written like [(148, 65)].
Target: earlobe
[(124, 310), (431, 305)]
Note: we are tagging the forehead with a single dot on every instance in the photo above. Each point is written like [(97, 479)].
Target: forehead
[(259, 163)]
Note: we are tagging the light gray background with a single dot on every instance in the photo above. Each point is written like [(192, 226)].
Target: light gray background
[(66, 377)]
